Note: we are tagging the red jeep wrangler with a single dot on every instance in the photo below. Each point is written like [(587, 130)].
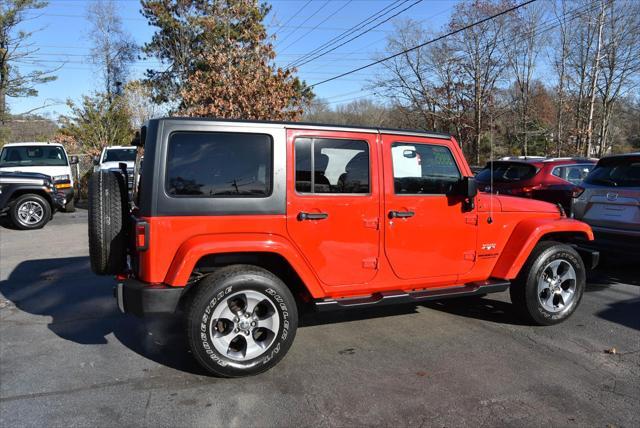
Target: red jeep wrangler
[(241, 225)]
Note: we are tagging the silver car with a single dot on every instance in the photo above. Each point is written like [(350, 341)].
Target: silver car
[(610, 203)]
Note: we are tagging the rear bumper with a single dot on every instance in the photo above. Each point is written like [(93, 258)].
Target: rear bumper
[(613, 241), (142, 299)]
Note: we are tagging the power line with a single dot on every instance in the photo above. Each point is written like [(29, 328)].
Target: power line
[(351, 30), (358, 35), (319, 24), (305, 21), (449, 34)]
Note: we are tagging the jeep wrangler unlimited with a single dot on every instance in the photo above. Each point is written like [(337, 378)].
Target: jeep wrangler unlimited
[(241, 225)]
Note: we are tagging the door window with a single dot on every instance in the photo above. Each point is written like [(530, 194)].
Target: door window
[(339, 166), (423, 169)]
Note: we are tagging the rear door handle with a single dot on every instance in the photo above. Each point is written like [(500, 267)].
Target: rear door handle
[(312, 216), (401, 214)]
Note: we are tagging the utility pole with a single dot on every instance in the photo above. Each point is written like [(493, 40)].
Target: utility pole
[(594, 81)]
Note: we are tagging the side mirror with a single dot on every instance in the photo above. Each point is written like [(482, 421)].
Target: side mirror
[(74, 160), (466, 187), (96, 160)]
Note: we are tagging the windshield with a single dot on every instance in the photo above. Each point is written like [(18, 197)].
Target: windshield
[(507, 172), (33, 156), (120, 155), (617, 172)]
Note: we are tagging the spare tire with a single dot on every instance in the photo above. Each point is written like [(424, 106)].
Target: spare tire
[(108, 223)]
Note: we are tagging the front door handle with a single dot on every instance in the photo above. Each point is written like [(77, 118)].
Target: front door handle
[(401, 214), (312, 216)]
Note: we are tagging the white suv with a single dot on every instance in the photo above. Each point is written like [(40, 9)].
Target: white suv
[(45, 158), (111, 158)]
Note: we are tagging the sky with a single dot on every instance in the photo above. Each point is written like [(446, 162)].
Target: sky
[(62, 39)]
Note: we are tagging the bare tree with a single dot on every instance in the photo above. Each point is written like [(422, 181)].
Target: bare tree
[(595, 70), (481, 58), (559, 61), (523, 42), (139, 100), (15, 48), (113, 48), (620, 62)]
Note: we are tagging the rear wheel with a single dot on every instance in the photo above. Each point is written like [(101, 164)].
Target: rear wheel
[(550, 285), (30, 211), (241, 321), (107, 223)]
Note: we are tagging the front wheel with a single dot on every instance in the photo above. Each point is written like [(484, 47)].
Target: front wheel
[(241, 321), (30, 211), (550, 285)]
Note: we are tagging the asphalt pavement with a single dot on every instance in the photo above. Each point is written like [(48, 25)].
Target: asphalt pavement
[(68, 357)]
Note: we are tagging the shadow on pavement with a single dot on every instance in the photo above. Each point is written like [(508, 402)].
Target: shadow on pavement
[(481, 308), (84, 311), (626, 313)]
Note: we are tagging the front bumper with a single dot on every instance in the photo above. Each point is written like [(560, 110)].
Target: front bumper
[(142, 299)]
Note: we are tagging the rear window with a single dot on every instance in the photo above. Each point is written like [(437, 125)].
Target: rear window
[(207, 164), (120, 155), (507, 172), (616, 172)]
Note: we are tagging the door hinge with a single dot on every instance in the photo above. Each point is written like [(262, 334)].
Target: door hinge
[(470, 255), (370, 263), (471, 219), (371, 223)]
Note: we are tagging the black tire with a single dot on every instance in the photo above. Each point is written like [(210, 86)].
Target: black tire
[(108, 223), (70, 206), (43, 211), (525, 293), (220, 289)]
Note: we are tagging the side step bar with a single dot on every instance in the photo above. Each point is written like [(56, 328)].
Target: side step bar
[(393, 297)]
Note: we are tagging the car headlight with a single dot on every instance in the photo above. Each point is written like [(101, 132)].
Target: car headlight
[(61, 177)]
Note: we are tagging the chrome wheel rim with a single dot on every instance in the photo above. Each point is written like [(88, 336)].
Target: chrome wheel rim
[(244, 325), (30, 213), (557, 286)]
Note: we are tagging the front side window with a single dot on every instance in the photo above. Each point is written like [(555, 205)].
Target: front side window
[(338, 166), (33, 156), (423, 169), (208, 164)]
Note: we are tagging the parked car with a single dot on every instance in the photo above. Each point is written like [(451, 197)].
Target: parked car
[(44, 158), (111, 157), (243, 224), (553, 180), (29, 199), (609, 200)]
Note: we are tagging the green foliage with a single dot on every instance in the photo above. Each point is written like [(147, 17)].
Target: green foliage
[(98, 122)]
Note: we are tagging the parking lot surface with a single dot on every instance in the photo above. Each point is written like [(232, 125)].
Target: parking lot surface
[(68, 357)]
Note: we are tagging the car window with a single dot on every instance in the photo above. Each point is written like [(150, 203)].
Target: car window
[(574, 174), (423, 168), (339, 166), (507, 172), (616, 172), (120, 155), (208, 164), (33, 156)]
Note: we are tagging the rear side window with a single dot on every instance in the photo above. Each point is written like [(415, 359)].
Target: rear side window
[(339, 166), (572, 173), (423, 169), (208, 164), (616, 172), (507, 172)]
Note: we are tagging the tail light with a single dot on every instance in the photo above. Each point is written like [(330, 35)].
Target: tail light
[(577, 191), (142, 235)]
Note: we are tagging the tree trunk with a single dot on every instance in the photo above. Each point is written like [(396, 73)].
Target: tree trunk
[(594, 81)]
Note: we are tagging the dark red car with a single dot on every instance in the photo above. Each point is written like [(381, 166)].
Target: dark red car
[(548, 179)]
